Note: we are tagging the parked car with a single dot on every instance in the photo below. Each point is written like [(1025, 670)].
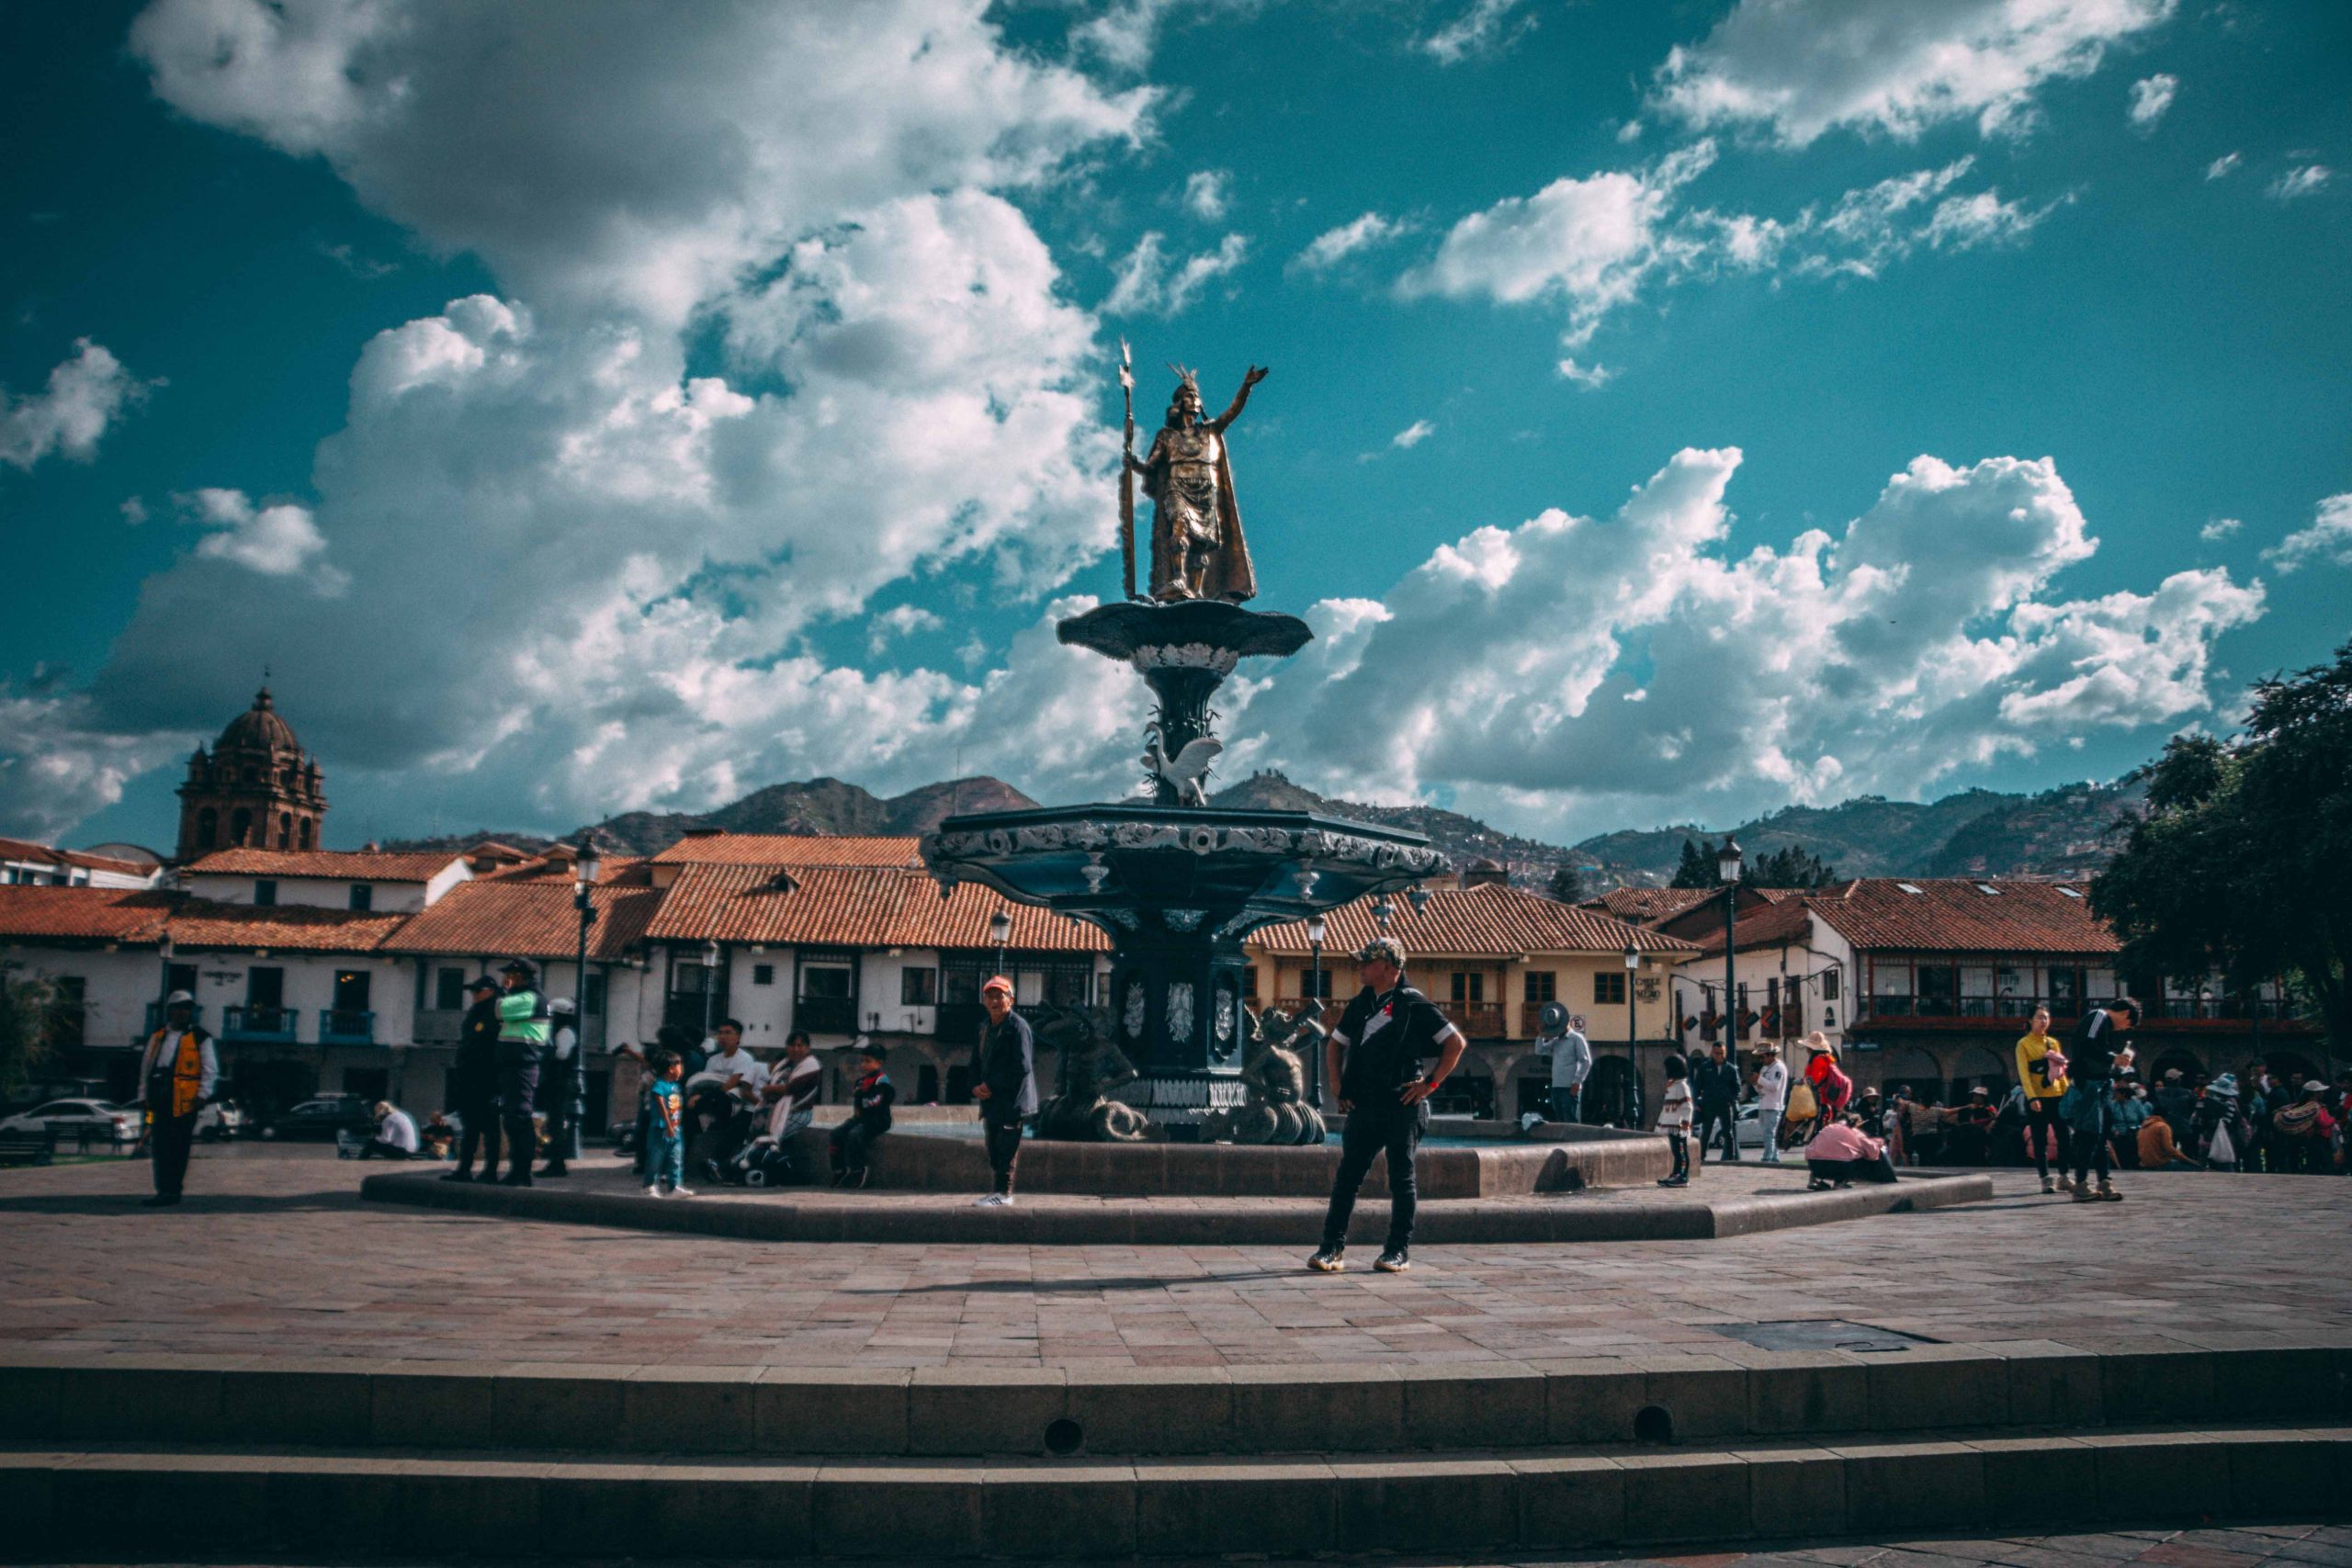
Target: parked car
[(42, 1091), (323, 1118), (72, 1120), (219, 1122)]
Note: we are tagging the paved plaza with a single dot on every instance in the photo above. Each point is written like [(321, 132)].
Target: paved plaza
[(275, 1254)]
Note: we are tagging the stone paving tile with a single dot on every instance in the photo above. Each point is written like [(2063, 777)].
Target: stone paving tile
[(274, 1255)]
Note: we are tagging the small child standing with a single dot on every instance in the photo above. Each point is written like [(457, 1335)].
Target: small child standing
[(1674, 1119), (665, 1139)]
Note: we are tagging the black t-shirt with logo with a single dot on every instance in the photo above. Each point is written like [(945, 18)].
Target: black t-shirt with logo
[(1386, 1036)]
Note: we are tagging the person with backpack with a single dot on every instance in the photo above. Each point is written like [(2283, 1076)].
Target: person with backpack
[(2094, 1054), (2304, 1133)]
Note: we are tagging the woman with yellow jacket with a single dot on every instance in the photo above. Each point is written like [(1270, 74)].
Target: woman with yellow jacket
[(2041, 1069)]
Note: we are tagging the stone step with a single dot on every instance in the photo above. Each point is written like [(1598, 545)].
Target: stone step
[(128, 1504), (1236, 1220), (971, 1410)]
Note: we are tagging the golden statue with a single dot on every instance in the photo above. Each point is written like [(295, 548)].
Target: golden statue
[(1197, 550)]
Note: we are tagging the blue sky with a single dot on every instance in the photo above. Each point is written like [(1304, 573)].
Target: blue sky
[(1677, 411)]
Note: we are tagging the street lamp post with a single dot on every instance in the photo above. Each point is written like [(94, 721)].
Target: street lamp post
[(1000, 932), (163, 950), (1633, 964), (583, 888), (1314, 1008), (1727, 860)]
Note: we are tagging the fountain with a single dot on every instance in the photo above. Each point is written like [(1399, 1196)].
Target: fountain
[(1175, 882)]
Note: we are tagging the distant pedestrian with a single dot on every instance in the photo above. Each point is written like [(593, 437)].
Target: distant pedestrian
[(2094, 1053), (1674, 1119), (1561, 1042), (1771, 1099), (1007, 1086), (1831, 1088), (175, 1079), (870, 1098), (396, 1136), (665, 1143), (2304, 1133), (522, 1041), (1842, 1154), (1375, 1055), (562, 1092), (2041, 1074), (1714, 1085), (2221, 1136), (477, 1084)]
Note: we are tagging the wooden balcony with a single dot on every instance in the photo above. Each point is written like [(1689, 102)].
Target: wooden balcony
[(1479, 1021)]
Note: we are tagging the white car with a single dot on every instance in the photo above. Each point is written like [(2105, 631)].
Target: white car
[(73, 1118)]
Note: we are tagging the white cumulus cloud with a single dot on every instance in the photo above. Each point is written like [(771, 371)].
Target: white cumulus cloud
[(1208, 193), (85, 395), (2221, 528), (1335, 245), (277, 540), (1151, 282), (2151, 96), (1799, 69), (1413, 434), (2328, 540), (1482, 27), (2308, 179), (2224, 164)]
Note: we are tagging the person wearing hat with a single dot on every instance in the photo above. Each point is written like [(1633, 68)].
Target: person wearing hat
[(1771, 1098), (175, 1079), (560, 1094), (477, 1083), (1560, 1040), (1005, 1085), (2304, 1133), (1970, 1139), (1375, 1055), (522, 1041), (2176, 1102), (2220, 1128)]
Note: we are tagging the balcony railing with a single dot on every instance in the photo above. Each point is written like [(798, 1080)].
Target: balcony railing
[(2018, 1009), (272, 1025), (347, 1026), (1479, 1021)]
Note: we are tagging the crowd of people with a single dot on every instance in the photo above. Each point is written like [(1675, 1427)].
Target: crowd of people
[(2077, 1113)]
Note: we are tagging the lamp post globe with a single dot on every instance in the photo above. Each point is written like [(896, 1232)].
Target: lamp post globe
[(1000, 932)]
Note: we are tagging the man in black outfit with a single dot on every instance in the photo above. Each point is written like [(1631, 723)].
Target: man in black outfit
[(478, 1084), (2096, 1052), (1007, 1088), (1375, 1055), (1715, 1084)]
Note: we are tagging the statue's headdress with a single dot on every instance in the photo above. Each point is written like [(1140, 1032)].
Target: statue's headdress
[(1187, 379)]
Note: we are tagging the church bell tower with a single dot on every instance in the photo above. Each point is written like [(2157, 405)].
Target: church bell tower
[(255, 790)]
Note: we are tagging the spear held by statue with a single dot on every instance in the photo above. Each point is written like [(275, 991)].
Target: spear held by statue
[(1128, 476)]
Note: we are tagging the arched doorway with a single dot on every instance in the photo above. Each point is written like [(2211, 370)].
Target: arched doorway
[(2190, 1067), (1910, 1067), (1979, 1066)]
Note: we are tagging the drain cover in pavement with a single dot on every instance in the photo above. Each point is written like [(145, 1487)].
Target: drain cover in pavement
[(1819, 1334)]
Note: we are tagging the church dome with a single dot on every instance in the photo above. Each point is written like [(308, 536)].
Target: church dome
[(258, 729)]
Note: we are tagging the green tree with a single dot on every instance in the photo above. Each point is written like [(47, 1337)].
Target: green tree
[(28, 1019), (1566, 886), (2238, 865), (1697, 867), (1789, 866)]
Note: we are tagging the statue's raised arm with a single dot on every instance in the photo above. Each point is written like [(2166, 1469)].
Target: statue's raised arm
[(1241, 399)]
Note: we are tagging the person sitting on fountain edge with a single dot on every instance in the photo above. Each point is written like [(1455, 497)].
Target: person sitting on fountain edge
[(1375, 1055)]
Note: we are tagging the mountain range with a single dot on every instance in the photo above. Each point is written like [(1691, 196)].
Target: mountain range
[(2067, 832)]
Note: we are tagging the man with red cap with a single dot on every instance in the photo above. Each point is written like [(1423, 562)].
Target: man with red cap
[(1006, 1085)]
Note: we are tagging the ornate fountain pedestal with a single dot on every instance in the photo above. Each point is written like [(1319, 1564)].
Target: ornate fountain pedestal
[(1178, 885)]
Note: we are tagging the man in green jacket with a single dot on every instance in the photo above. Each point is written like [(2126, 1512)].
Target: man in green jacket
[(522, 1041)]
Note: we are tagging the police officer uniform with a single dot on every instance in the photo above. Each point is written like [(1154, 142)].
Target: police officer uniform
[(477, 1084), (175, 1079), (522, 1043), (1385, 1036)]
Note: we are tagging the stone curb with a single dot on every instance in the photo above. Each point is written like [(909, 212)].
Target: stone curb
[(1198, 1222), (126, 1505), (1738, 1391)]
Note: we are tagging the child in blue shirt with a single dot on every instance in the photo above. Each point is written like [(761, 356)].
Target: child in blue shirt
[(665, 1141)]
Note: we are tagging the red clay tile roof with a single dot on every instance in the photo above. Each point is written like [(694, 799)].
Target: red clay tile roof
[(26, 849), (508, 919), (612, 871), (282, 927), (1767, 925), (353, 866), (1489, 921), (84, 914), (1645, 906), (853, 907), (1954, 915), (792, 849)]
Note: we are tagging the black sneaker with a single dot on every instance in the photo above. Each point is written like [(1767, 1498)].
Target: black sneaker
[(862, 1176), (1394, 1262), (1328, 1259)]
